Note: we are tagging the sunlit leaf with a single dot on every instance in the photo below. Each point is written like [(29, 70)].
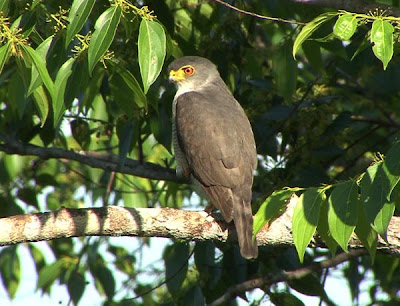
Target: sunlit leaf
[(152, 50), (345, 26), (103, 35), (42, 50), (40, 65), (42, 103), (305, 219), (59, 91), (310, 28), (79, 13), (342, 214), (382, 38), (272, 208), (5, 53)]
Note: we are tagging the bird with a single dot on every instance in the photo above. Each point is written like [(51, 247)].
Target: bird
[(214, 144)]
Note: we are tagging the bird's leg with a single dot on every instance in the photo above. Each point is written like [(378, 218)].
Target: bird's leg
[(209, 209)]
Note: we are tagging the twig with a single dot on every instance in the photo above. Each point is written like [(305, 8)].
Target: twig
[(258, 15), (285, 276), (103, 161)]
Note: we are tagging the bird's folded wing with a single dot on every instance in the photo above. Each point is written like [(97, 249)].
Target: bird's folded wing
[(211, 140)]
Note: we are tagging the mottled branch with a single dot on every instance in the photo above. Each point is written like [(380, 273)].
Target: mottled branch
[(154, 222)]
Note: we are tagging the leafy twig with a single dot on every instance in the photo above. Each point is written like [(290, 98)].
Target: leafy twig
[(285, 276)]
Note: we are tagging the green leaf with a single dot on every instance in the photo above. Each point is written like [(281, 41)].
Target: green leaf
[(176, 265), (10, 270), (382, 38), (127, 135), (345, 26), (76, 286), (79, 13), (152, 49), (93, 87), (5, 53), (42, 50), (103, 35), (309, 284), (376, 186), (81, 132), (392, 167), (272, 208), (305, 219), (383, 218), (42, 104), (4, 7), (365, 233), (49, 274), (193, 296), (312, 52), (342, 214), (37, 256), (40, 65), (16, 94), (78, 81), (126, 91), (60, 83), (28, 195), (323, 228), (310, 28), (282, 298), (34, 3), (105, 278), (284, 68)]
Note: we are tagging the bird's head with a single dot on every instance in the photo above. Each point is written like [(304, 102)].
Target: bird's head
[(191, 72)]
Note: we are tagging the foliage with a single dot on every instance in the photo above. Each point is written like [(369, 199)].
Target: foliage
[(90, 76)]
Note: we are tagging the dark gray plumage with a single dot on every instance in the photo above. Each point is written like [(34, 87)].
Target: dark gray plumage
[(214, 143)]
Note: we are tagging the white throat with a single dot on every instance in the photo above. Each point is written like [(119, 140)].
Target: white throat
[(184, 87)]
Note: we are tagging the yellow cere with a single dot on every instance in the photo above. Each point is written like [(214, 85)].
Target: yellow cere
[(176, 76)]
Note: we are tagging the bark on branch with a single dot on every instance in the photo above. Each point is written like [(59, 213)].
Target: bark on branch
[(155, 222)]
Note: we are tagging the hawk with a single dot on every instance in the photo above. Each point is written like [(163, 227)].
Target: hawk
[(214, 144)]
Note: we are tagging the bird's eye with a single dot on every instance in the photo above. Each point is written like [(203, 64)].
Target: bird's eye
[(188, 70)]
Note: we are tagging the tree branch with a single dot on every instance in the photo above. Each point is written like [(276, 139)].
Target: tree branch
[(353, 6), (285, 276), (107, 162), (156, 222), (234, 8)]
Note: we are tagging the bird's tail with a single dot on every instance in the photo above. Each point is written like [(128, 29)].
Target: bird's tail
[(243, 218)]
